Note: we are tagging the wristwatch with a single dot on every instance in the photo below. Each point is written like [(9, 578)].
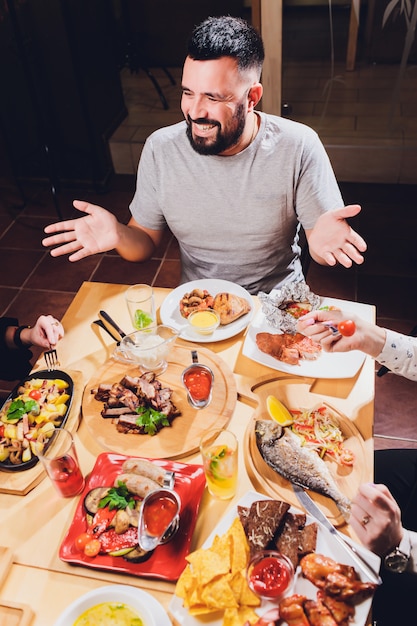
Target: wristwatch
[(397, 560)]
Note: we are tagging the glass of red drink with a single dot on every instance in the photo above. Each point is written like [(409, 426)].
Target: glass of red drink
[(59, 458)]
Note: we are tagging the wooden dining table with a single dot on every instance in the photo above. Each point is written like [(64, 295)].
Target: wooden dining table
[(35, 584)]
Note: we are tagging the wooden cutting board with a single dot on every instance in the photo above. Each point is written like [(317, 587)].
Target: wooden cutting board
[(183, 437), (6, 560), (14, 614), (295, 394), (20, 483)]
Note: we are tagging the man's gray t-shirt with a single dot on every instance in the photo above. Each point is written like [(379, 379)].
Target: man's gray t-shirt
[(237, 217)]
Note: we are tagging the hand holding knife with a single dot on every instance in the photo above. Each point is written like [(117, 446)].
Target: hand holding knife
[(310, 506)]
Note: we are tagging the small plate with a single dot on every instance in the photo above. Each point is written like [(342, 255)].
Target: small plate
[(170, 310), (6, 466), (167, 560), (149, 609), (328, 364), (326, 544)]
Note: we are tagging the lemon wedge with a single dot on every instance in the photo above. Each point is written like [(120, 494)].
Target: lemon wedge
[(278, 411)]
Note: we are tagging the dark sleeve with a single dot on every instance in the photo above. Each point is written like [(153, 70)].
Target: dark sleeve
[(14, 364)]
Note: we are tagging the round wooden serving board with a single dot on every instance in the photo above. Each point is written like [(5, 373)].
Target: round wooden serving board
[(295, 394), (183, 437)]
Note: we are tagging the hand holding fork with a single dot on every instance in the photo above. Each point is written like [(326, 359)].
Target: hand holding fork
[(46, 333)]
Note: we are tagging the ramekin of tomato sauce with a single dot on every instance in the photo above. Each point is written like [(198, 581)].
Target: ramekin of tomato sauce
[(159, 518), (270, 574), (198, 380)]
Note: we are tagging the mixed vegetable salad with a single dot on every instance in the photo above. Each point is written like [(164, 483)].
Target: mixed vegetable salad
[(318, 429), (31, 416)]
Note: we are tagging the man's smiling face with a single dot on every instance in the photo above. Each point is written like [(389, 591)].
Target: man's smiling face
[(215, 105)]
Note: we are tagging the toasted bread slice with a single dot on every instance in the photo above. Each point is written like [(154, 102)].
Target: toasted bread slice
[(230, 307), (244, 513), (263, 521), (296, 539)]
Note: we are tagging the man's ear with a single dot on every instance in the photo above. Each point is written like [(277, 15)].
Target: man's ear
[(254, 95)]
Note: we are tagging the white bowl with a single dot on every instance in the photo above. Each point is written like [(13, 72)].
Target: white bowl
[(148, 608)]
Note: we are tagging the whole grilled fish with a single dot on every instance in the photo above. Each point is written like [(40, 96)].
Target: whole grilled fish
[(281, 449)]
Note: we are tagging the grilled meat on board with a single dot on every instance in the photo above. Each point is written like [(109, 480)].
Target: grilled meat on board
[(281, 449), (121, 400)]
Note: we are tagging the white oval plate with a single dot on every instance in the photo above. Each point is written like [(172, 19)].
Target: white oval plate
[(328, 364), (149, 609), (171, 316)]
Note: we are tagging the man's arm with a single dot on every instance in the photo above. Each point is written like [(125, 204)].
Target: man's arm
[(99, 231), (333, 241)]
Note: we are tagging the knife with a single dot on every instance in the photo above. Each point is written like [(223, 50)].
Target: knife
[(104, 327), (312, 508), (116, 327)]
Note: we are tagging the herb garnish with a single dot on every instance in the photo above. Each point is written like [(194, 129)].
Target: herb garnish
[(18, 408), (117, 498), (151, 420)]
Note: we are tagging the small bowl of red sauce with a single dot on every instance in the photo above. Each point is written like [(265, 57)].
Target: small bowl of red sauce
[(198, 380), (159, 518), (270, 574)]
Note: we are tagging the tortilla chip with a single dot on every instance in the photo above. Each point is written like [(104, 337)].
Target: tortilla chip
[(218, 594), (222, 546), (214, 581), (207, 565), (205, 610), (240, 547), (185, 583), (237, 617), (243, 594)]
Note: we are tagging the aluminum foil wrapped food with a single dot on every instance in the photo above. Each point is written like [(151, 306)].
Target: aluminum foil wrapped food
[(282, 307)]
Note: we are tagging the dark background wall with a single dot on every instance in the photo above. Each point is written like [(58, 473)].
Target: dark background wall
[(61, 91)]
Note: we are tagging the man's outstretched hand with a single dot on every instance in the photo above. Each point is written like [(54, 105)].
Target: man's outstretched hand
[(97, 231), (332, 240)]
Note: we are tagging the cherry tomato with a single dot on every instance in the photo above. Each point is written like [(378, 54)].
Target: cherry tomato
[(347, 328), (35, 394), (92, 548), (82, 540)]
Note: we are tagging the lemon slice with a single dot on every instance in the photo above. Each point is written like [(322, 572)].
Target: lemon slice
[(278, 411)]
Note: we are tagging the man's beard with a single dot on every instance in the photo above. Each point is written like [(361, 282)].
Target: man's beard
[(224, 140)]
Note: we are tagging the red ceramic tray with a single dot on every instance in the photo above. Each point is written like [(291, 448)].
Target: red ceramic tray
[(167, 561)]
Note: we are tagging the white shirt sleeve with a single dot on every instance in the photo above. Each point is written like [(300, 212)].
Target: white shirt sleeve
[(400, 354), (412, 563)]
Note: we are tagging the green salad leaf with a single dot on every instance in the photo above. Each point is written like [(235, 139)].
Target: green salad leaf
[(18, 408), (151, 420), (117, 498)]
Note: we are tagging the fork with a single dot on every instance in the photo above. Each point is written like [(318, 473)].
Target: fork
[(51, 359)]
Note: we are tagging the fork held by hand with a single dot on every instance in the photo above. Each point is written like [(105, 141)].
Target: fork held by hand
[(51, 359)]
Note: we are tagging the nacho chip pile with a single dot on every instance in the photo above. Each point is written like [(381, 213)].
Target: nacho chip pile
[(215, 580)]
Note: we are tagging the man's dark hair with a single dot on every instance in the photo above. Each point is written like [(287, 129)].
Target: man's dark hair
[(218, 37)]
